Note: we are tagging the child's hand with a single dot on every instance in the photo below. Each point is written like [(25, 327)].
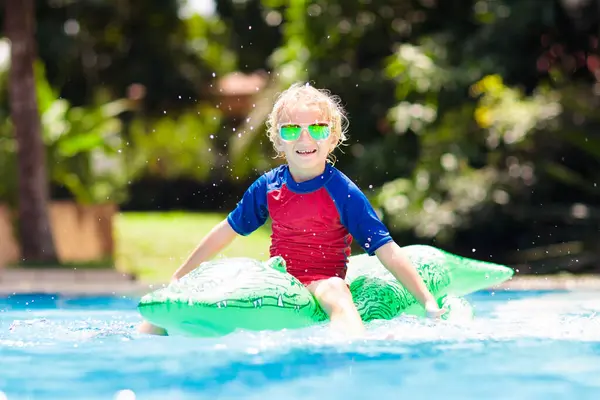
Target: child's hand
[(432, 310)]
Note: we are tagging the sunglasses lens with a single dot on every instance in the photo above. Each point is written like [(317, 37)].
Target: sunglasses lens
[(319, 131), (290, 132)]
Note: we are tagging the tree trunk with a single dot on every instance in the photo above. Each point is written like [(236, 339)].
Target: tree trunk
[(35, 235)]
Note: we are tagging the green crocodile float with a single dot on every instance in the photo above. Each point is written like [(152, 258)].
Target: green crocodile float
[(225, 295)]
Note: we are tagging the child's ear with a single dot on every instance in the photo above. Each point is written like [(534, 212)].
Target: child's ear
[(333, 143)]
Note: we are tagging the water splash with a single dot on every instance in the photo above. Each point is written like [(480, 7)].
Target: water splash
[(514, 340)]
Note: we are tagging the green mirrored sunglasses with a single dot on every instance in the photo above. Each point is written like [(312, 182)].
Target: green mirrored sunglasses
[(291, 132)]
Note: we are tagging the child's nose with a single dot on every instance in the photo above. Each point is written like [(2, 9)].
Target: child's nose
[(304, 134)]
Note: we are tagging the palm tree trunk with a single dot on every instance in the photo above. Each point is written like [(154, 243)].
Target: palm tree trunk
[(35, 235)]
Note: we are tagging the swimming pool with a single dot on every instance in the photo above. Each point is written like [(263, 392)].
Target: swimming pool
[(523, 345)]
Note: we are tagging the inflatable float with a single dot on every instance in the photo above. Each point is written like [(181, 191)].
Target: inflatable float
[(224, 295)]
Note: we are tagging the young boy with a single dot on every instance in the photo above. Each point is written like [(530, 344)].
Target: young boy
[(316, 211)]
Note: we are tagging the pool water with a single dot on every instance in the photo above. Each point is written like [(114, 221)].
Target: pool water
[(522, 345)]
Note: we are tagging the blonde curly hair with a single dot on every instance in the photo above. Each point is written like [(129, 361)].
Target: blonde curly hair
[(330, 106)]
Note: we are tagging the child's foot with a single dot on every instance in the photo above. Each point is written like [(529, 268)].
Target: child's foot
[(149, 329)]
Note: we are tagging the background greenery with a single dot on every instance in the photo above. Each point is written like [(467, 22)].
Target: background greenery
[(473, 123), (152, 246)]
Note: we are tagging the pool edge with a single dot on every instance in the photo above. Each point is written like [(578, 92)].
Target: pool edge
[(139, 288)]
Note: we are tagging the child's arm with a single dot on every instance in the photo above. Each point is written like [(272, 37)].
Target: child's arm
[(215, 241), (394, 259)]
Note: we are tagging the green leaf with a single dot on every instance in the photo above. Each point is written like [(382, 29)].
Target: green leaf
[(569, 177), (80, 143)]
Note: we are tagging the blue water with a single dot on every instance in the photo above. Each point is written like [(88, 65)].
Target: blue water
[(522, 345)]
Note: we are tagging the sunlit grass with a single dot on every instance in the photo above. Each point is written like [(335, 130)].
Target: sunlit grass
[(153, 245)]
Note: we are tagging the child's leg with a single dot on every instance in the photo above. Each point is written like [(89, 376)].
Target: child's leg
[(336, 300), (148, 328)]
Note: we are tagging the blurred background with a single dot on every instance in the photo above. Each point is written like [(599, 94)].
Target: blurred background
[(129, 128)]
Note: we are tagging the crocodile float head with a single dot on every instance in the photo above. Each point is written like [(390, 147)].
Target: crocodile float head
[(221, 296), (378, 295)]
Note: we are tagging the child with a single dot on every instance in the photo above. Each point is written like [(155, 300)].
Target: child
[(316, 211)]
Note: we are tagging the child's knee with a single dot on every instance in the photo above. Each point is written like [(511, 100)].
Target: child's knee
[(334, 292), (338, 286)]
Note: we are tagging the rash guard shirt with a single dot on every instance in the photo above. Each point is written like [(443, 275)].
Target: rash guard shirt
[(313, 222)]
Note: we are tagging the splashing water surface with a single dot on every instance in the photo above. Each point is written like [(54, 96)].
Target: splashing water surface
[(522, 345)]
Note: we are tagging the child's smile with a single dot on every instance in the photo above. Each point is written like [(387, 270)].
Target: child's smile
[(306, 152)]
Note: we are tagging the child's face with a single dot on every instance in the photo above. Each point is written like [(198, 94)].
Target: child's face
[(306, 156)]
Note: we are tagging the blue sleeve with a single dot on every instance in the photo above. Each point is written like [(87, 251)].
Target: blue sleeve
[(359, 217), (251, 211)]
